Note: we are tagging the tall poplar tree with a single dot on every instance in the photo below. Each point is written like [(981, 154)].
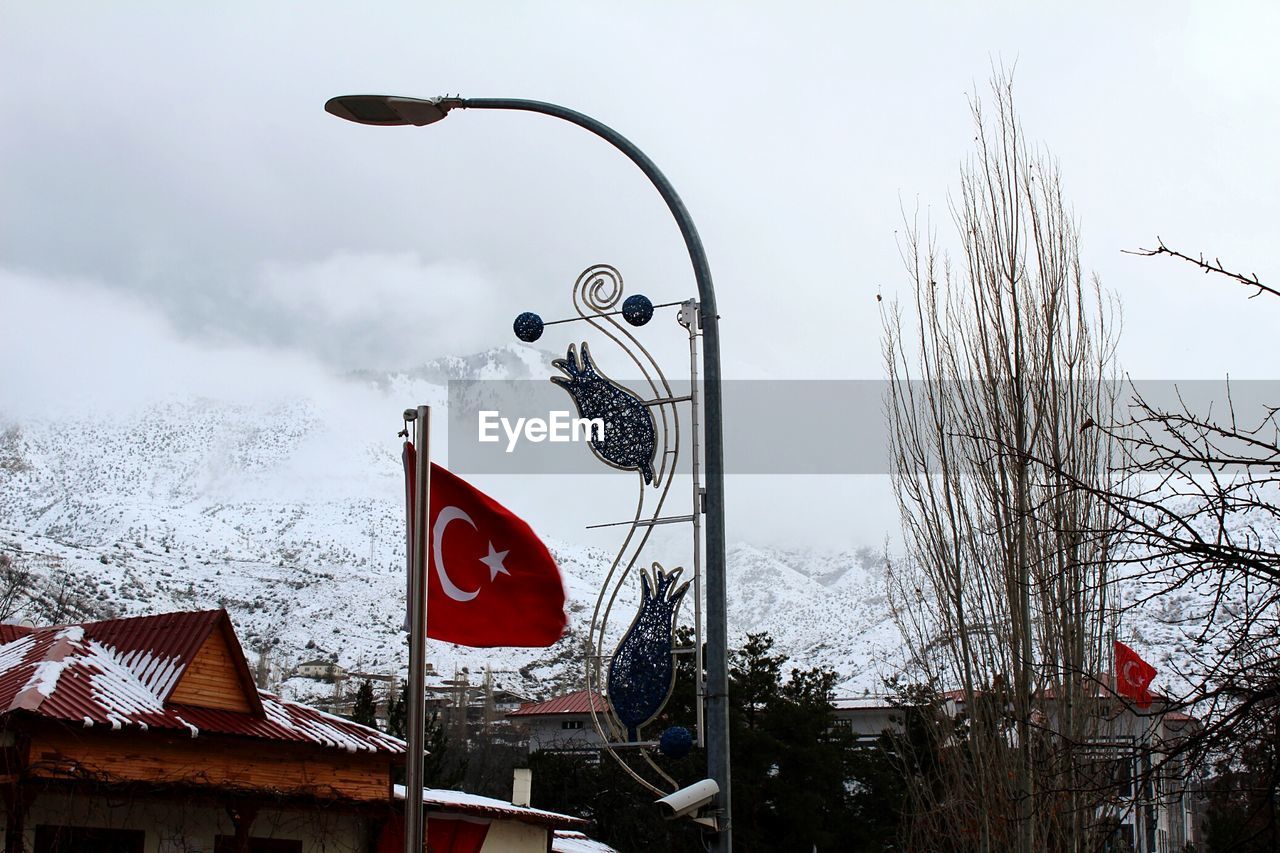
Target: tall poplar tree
[(1002, 356)]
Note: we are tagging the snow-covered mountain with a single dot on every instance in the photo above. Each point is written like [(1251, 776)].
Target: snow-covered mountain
[(288, 513)]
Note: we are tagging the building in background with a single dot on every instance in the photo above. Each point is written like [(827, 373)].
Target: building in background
[(560, 724), (1153, 809), (325, 670)]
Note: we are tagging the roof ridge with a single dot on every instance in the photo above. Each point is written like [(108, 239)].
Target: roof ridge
[(166, 614), (578, 702)]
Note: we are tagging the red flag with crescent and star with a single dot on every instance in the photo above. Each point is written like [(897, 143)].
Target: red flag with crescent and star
[(1133, 675), (490, 580)]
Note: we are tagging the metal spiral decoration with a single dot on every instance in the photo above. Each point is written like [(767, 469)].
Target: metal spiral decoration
[(596, 293), (599, 288), (640, 671)]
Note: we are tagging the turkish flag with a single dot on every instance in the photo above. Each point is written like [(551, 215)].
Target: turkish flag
[(1133, 675), (490, 580)]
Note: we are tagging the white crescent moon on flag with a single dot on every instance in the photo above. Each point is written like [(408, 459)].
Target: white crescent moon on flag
[(1127, 675), (448, 514)]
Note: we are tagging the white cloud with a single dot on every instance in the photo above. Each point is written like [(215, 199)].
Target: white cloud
[(388, 310), (74, 348)]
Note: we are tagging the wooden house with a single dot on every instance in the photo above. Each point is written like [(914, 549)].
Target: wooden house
[(148, 735)]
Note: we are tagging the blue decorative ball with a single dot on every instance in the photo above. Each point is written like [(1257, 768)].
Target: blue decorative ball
[(528, 327), (676, 742), (637, 310)]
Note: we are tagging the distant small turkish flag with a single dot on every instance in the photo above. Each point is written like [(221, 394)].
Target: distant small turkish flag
[(1133, 675), (490, 580)]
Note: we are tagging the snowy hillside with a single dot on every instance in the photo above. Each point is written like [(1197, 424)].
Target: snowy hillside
[(289, 514)]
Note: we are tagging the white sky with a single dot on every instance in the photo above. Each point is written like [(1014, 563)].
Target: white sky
[(175, 204)]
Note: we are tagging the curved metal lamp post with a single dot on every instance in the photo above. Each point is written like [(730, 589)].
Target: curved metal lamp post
[(386, 110)]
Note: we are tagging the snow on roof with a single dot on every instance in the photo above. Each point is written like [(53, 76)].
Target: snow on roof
[(580, 702), (120, 673), (569, 841), (861, 703), (444, 800)]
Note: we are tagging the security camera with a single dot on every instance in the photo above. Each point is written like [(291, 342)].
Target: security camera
[(687, 801)]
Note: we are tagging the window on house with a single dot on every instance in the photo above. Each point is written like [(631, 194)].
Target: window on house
[(1124, 775), (87, 839), (227, 844), (571, 724), (1108, 766)]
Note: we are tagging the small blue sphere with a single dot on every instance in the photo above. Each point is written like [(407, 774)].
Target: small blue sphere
[(528, 327), (637, 310), (676, 742)]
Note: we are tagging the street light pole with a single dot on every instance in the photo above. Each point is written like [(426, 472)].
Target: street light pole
[(382, 110)]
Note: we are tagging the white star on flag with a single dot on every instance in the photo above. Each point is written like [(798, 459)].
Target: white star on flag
[(494, 562)]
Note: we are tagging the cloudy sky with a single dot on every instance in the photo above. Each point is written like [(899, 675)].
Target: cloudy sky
[(178, 211)]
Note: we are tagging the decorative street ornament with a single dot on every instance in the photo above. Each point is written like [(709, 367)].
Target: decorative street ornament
[(642, 672), (637, 310), (528, 327), (627, 438), (642, 434)]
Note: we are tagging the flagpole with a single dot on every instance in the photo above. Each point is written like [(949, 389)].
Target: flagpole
[(414, 825)]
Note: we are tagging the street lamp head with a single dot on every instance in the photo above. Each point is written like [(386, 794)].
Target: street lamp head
[(388, 110)]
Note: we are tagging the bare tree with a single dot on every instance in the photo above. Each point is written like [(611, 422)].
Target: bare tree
[(1197, 527), (62, 597), (996, 363), (15, 586)]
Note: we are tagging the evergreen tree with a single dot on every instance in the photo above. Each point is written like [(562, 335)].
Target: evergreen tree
[(1243, 797), (798, 780), (397, 716), (445, 763), (365, 709), (622, 813), (793, 787)]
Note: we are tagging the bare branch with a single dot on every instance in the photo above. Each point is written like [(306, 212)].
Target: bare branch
[(1214, 266)]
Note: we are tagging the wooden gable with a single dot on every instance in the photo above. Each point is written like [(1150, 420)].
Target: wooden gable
[(217, 677)]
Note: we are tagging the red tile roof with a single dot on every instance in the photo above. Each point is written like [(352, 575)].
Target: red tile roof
[(581, 702), (121, 672)]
